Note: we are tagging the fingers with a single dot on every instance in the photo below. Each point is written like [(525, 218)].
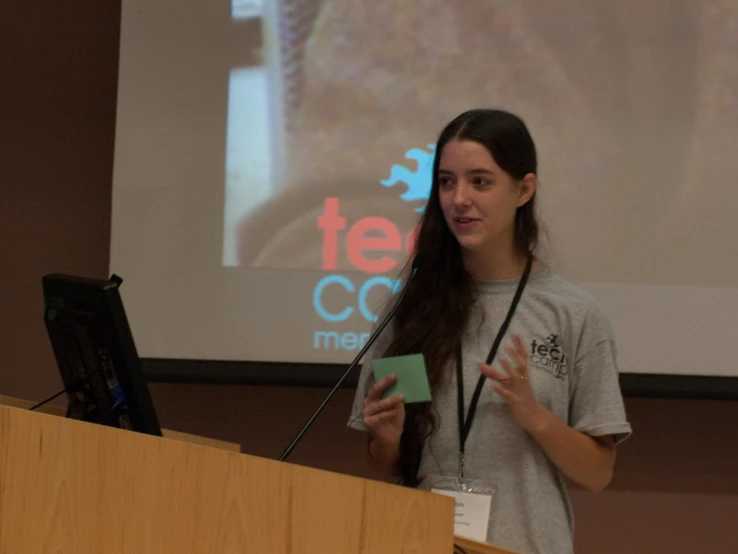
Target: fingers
[(377, 414), (375, 392), (517, 360), (388, 415), (493, 373), (515, 368), (518, 352), (373, 407), (504, 392), (520, 347), (504, 380), (519, 356)]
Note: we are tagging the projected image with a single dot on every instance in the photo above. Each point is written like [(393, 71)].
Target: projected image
[(279, 153), (632, 105), (346, 221), (249, 151)]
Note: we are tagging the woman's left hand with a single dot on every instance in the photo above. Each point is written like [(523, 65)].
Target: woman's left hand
[(514, 385)]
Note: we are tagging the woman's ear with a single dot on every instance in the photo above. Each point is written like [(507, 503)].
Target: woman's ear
[(527, 188)]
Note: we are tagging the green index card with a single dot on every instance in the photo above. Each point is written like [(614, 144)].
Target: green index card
[(412, 380)]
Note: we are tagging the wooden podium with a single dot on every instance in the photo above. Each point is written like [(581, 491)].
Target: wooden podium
[(73, 487)]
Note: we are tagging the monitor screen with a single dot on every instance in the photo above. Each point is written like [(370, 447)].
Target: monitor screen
[(95, 353)]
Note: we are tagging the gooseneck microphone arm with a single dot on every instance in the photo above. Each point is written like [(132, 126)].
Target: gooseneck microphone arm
[(418, 264)]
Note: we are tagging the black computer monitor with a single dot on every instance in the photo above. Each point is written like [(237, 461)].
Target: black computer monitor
[(95, 353)]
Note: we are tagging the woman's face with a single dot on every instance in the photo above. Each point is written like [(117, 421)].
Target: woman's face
[(478, 198)]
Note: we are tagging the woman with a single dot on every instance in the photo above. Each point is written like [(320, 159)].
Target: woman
[(548, 406)]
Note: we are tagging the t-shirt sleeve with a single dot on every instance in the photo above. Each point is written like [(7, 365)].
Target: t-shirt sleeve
[(366, 379), (596, 407), (356, 419)]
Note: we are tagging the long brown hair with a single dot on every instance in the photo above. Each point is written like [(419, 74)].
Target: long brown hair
[(432, 314)]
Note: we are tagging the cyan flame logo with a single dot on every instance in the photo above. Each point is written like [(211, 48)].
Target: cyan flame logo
[(419, 181)]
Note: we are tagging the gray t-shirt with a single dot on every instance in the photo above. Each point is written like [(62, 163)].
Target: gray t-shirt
[(573, 372)]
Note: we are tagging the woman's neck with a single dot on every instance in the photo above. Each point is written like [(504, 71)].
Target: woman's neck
[(494, 266)]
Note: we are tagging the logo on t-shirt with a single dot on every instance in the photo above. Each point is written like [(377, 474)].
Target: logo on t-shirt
[(547, 354)]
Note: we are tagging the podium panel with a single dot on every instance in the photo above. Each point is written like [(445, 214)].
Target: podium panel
[(73, 487)]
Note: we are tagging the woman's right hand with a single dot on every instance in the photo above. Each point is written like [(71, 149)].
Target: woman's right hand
[(384, 419)]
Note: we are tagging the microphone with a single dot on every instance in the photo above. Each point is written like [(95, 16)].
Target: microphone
[(419, 262)]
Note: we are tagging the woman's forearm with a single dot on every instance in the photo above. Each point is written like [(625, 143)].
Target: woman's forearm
[(586, 460)]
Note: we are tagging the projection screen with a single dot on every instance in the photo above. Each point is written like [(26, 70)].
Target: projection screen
[(272, 159)]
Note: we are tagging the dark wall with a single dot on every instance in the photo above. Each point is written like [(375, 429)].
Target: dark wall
[(58, 81), (676, 483)]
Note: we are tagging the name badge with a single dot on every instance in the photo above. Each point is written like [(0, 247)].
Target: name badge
[(472, 503)]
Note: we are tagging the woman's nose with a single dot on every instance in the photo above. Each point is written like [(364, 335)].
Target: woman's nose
[(461, 195)]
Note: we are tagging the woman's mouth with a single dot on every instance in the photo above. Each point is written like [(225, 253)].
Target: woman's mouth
[(465, 222)]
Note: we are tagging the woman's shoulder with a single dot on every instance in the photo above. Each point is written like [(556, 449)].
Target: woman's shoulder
[(565, 293), (580, 315)]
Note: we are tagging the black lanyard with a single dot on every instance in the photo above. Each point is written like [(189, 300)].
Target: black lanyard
[(465, 424)]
